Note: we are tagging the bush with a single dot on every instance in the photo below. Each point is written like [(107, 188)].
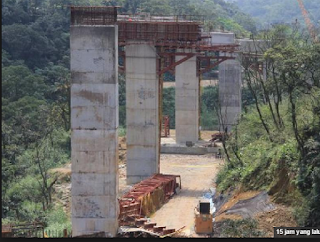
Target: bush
[(244, 228), (122, 131), (57, 219), (301, 212)]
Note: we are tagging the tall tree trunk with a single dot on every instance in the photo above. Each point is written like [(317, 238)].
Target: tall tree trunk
[(266, 94), (257, 105)]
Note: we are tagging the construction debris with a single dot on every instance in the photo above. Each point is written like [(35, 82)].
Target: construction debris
[(147, 196), (144, 199), (127, 232)]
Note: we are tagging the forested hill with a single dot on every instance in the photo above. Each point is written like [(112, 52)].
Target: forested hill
[(35, 90), (267, 12)]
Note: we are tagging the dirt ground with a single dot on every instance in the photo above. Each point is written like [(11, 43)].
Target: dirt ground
[(281, 216), (197, 177), (205, 134)]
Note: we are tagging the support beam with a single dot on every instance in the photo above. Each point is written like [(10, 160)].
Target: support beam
[(213, 65), (142, 106), (94, 129), (178, 62), (187, 100)]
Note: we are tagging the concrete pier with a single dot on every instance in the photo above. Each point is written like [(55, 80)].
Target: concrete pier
[(229, 93), (229, 84), (142, 117), (94, 125), (187, 101)]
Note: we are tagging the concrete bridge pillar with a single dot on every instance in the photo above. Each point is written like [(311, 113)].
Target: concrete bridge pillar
[(94, 129), (229, 84), (142, 107), (187, 101), (229, 93)]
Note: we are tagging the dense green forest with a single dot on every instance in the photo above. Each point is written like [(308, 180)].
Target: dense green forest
[(36, 115), (266, 12)]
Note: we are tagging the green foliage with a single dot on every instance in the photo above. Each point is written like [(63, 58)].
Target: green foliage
[(301, 212), (122, 131), (276, 145), (36, 101), (274, 11), (168, 102), (57, 220), (122, 101), (244, 228), (19, 81), (208, 118)]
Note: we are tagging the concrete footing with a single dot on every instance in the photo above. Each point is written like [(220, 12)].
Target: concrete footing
[(94, 129), (142, 106), (196, 150)]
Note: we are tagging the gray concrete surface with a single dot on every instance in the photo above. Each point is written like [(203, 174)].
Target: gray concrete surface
[(94, 129), (229, 84), (142, 106), (187, 101)]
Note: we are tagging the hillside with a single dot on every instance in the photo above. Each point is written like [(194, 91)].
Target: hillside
[(36, 85), (274, 147), (266, 12)]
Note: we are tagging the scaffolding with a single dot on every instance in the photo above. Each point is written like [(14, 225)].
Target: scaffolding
[(93, 15)]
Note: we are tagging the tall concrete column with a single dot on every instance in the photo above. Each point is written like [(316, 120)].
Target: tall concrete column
[(187, 101), (142, 106), (229, 93), (229, 83), (94, 126)]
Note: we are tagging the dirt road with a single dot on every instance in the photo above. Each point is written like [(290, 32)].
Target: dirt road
[(197, 176)]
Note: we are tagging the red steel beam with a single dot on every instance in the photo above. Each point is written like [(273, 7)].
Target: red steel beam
[(210, 66), (188, 56)]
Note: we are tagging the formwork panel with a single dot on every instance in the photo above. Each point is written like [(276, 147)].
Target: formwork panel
[(159, 31), (93, 15)]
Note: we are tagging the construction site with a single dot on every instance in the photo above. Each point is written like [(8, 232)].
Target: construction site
[(148, 46), (159, 181)]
